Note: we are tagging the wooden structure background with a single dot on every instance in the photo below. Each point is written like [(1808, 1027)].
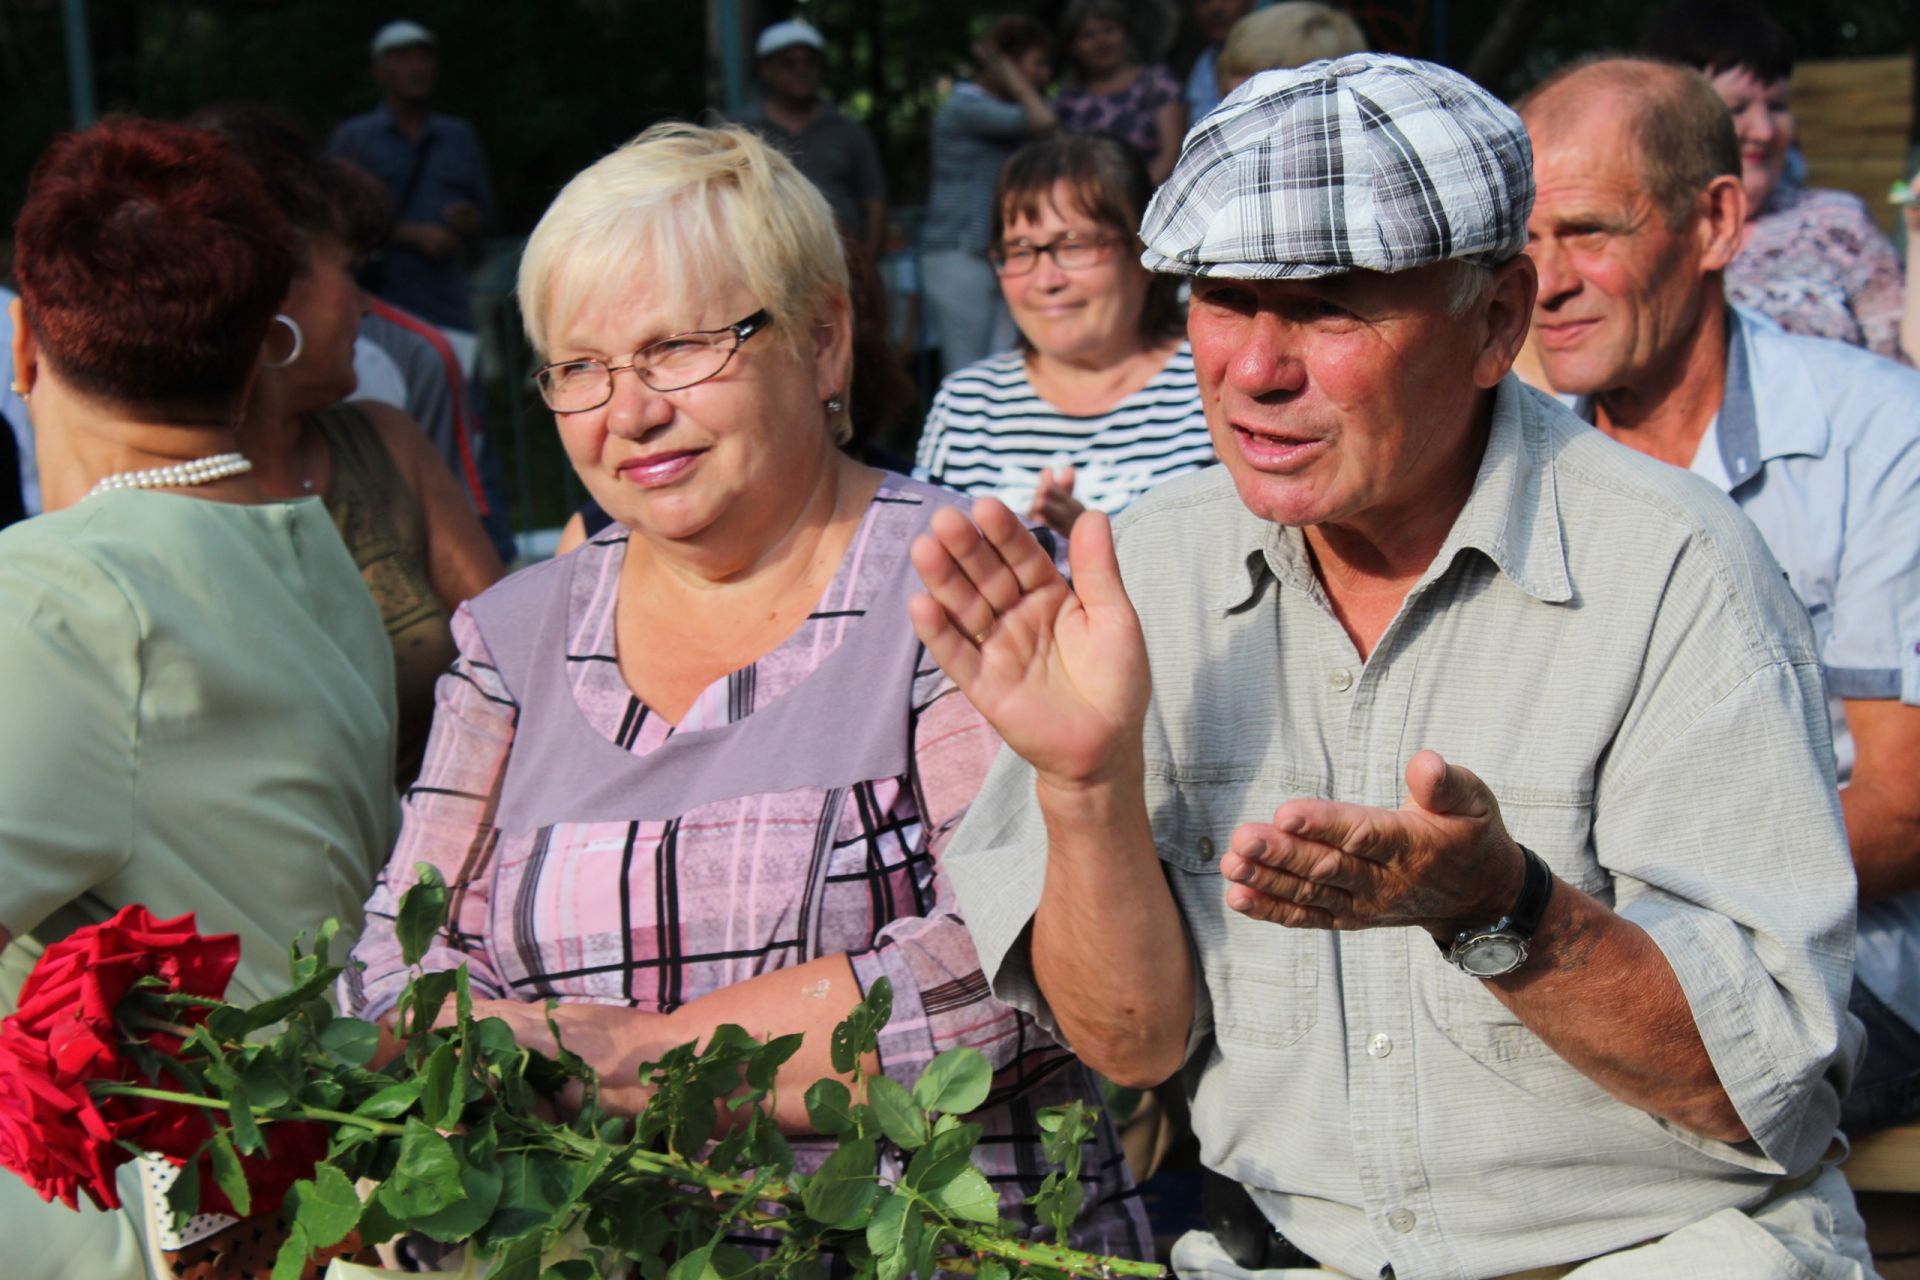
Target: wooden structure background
[(1853, 116)]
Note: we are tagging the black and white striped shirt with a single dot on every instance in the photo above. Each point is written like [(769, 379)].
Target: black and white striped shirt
[(990, 432)]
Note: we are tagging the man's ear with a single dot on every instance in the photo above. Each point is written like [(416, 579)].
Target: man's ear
[(1508, 311), (1723, 221)]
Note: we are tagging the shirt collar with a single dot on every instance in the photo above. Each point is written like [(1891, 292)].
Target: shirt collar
[(1511, 516), (1761, 370)]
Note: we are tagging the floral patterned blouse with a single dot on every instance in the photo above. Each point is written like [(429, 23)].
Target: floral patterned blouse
[(1126, 115), (1815, 263)]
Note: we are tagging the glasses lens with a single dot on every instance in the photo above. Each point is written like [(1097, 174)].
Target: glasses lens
[(1074, 254), (1015, 259), (570, 388), (681, 361)]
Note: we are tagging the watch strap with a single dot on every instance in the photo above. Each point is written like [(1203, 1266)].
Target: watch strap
[(1523, 919)]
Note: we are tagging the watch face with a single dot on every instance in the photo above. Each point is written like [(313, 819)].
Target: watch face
[(1491, 954)]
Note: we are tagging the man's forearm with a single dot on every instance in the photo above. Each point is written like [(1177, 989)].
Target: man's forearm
[(1598, 990), (1884, 834), (1110, 950)]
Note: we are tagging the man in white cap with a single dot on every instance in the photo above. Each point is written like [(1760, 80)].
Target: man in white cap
[(835, 153), (1441, 785), (436, 175)]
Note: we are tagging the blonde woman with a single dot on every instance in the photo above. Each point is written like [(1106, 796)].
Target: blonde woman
[(699, 771)]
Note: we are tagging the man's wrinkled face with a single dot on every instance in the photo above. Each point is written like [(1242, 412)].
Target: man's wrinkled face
[(1620, 290), (406, 72), (1336, 400)]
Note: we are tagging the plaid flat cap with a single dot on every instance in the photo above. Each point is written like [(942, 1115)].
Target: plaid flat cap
[(1363, 162)]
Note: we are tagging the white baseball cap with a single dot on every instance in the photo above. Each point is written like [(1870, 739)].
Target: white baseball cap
[(784, 35), (396, 35)]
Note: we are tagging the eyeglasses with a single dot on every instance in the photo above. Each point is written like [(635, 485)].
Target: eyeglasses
[(671, 364), (1069, 253)]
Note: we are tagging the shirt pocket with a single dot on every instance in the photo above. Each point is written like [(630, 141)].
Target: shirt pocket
[(1558, 827), (1262, 978)]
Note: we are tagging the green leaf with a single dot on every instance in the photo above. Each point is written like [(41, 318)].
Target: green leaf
[(535, 1189), (183, 1197), (391, 1101), (246, 1133), (731, 1262), (888, 1226), (267, 1089), (464, 1216), (956, 1082), (858, 1033), (904, 1123), (992, 1269), (282, 1006), (462, 997), (571, 1269), (377, 1224), (291, 1262), (830, 1107), (844, 1185), (695, 1266), (942, 1159), (768, 1059), (426, 1177), (423, 913), (440, 1096), (326, 1206), (350, 1040), (1057, 1203), (430, 991), (969, 1196), (228, 1175)]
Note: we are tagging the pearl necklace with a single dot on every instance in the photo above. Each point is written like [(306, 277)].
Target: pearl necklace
[(179, 475)]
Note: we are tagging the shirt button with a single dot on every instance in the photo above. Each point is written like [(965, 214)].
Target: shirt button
[(1401, 1220), (1204, 849), (1380, 1046), (1341, 679)]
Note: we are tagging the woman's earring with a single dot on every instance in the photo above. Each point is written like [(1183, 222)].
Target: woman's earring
[(833, 404), (299, 341), (13, 385)]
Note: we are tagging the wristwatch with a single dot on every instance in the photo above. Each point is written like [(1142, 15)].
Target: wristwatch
[(1501, 947)]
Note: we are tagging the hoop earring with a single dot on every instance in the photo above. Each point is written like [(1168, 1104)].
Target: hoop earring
[(299, 341)]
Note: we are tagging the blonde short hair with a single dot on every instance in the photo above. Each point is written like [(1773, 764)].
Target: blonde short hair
[(1284, 36), (684, 206)]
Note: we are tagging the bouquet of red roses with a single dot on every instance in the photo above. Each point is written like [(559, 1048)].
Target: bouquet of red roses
[(102, 1019), (124, 1044)]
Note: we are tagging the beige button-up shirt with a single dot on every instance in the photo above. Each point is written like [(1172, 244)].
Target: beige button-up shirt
[(1608, 644)]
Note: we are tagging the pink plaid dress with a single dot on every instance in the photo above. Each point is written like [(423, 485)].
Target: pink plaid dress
[(660, 906)]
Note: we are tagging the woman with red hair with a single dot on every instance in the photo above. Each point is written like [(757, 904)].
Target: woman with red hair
[(199, 698)]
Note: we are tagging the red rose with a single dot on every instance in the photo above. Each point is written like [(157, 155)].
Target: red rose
[(55, 1136), (53, 1131), (70, 998)]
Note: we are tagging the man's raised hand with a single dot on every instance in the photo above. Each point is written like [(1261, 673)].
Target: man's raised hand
[(1442, 861), (1060, 672)]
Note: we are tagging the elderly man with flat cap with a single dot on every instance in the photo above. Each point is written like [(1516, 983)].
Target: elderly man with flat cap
[(1443, 786)]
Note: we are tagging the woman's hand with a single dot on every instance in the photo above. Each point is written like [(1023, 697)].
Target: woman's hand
[(613, 1040), (1060, 672), (1053, 502)]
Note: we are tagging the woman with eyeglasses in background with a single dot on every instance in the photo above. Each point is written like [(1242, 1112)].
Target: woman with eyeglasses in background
[(1098, 404), (699, 770)]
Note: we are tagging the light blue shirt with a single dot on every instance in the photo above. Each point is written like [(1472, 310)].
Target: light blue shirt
[(1203, 85), (14, 409), (1819, 443)]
